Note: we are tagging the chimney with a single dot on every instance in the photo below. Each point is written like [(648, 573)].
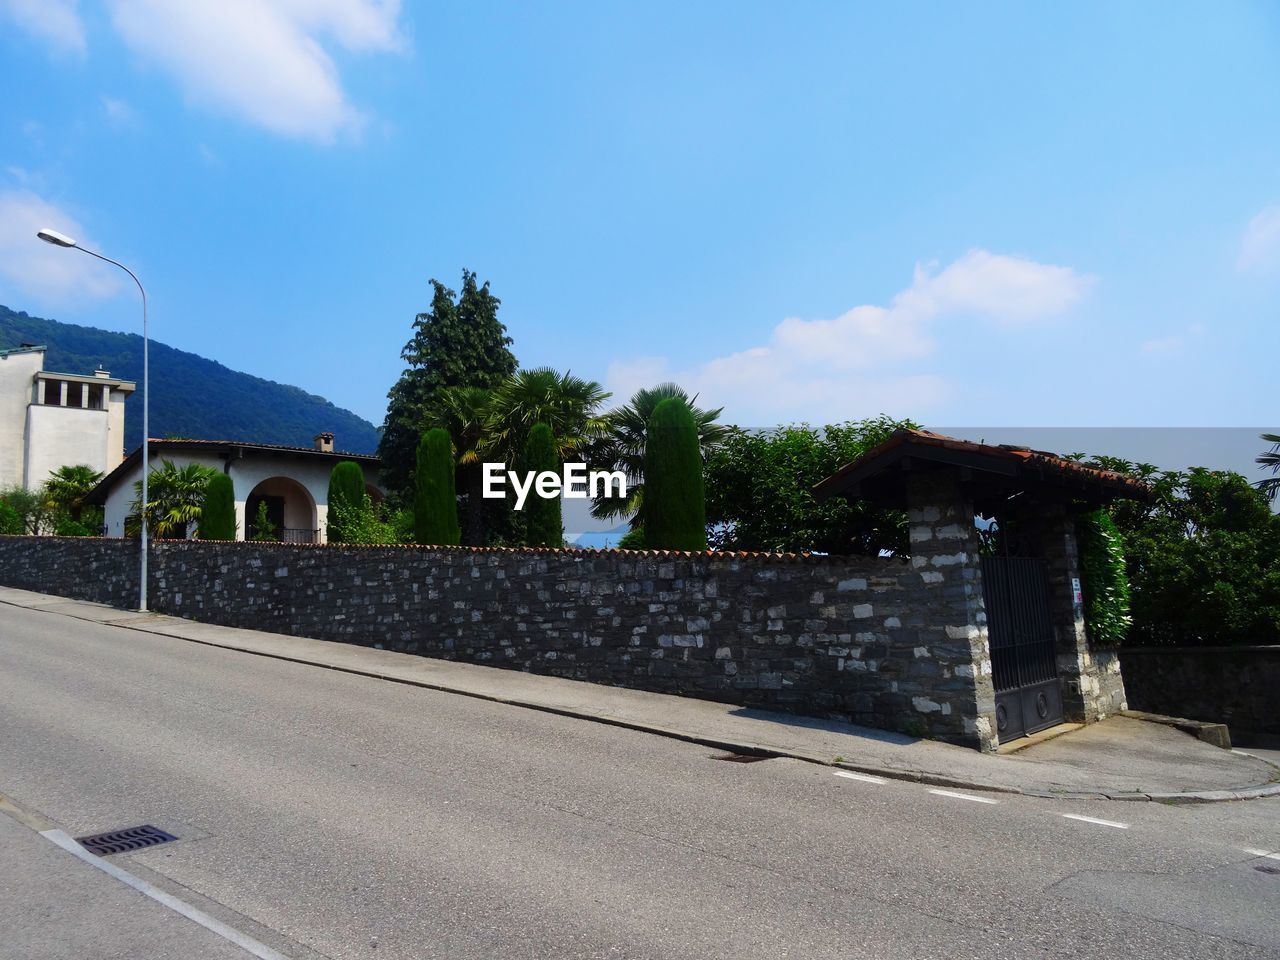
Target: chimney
[(324, 442), (104, 374)]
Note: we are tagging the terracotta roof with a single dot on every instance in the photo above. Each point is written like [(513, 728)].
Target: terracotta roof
[(158, 446), (1014, 462)]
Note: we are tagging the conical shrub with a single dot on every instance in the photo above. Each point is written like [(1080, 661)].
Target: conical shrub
[(435, 499), (544, 525), (674, 512), (346, 497), (218, 512)]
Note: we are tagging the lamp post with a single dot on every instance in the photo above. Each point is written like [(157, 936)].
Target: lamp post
[(62, 240)]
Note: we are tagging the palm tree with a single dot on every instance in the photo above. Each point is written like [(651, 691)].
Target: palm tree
[(622, 445), (1270, 487), (565, 403), (67, 487), (176, 498)]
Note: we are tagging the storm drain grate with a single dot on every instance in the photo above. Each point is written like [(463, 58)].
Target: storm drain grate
[(122, 841), (740, 757), (1266, 869)]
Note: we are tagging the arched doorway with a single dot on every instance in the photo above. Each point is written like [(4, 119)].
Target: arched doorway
[(290, 512)]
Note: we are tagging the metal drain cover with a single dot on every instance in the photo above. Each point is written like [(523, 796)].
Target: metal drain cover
[(122, 841)]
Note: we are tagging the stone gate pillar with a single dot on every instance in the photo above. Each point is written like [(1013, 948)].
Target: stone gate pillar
[(945, 554), (1092, 686)]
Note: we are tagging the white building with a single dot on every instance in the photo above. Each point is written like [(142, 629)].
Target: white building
[(51, 420), (292, 481)]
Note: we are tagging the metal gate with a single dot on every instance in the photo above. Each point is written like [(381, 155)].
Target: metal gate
[(1020, 631)]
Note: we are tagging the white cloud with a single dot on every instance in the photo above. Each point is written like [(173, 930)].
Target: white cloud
[(1260, 245), (119, 112), (56, 22), (36, 270), (1172, 344), (262, 60), (858, 363)]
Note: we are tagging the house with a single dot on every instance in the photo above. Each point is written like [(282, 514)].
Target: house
[(50, 420), (293, 482)]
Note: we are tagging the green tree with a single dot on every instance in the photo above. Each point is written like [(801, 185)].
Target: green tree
[(362, 524), (760, 491), (568, 406), (457, 343), (622, 444), (32, 508), (10, 523), (435, 502), (262, 530), (1203, 557), (1270, 487), (675, 516), (464, 413), (67, 487), (544, 526), (346, 498), (1105, 579), (175, 499), (218, 514)]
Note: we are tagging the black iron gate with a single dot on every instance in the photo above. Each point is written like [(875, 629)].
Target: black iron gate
[(1020, 631)]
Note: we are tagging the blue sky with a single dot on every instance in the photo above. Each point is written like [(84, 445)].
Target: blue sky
[(995, 214)]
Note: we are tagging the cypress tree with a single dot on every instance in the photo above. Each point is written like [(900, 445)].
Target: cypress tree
[(543, 524), (674, 509), (435, 501), (346, 487), (218, 513), (459, 342)]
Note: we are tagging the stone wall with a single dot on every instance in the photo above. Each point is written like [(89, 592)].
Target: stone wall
[(1238, 686), (885, 643)]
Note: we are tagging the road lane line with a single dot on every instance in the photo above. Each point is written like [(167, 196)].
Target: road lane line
[(1101, 823), (1253, 852), (864, 777), (963, 796), (214, 925)]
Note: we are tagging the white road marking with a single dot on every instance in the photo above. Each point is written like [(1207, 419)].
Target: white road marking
[(1262, 853), (864, 777), (963, 796), (1102, 823), (243, 941)]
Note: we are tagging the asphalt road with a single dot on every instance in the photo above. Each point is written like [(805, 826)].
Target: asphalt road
[(329, 815)]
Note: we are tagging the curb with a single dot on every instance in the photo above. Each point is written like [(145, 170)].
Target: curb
[(733, 746)]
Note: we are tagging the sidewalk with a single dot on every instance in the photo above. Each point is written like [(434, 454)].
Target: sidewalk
[(1119, 758)]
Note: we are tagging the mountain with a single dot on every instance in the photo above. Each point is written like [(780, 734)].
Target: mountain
[(190, 396)]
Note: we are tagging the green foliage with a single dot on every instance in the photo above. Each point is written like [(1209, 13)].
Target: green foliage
[(457, 343), (566, 404), (10, 522), (175, 499), (31, 507), (435, 502), (1203, 558), (1105, 581), (464, 413), (759, 491), (633, 539), (261, 529), (674, 508), (248, 408), (67, 487), (361, 523), (346, 494), (622, 443), (218, 515), (544, 526)]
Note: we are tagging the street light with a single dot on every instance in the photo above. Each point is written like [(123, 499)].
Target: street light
[(62, 240)]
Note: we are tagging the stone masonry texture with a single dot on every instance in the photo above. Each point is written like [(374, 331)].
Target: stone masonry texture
[(886, 643)]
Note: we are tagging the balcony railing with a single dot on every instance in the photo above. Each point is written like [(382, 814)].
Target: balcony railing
[(292, 535)]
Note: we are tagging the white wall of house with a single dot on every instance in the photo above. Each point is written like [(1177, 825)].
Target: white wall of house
[(48, 420), (304, 483), (17, 373)]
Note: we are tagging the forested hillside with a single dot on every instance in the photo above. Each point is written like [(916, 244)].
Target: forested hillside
[(191, 396)]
